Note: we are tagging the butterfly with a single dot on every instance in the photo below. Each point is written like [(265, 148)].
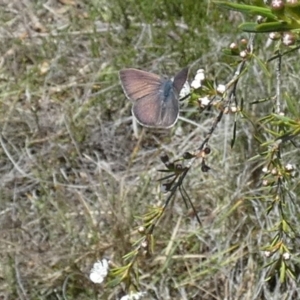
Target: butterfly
[(155, 99)]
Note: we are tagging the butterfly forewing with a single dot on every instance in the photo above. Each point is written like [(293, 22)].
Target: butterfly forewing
[(138, 84), (179, 79)]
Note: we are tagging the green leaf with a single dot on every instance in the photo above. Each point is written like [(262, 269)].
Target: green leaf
[(263, 66), (114, 282), (291, 273), (285, 226), (275, 239), (228, 51), (282, 271), (266, 27), (293, 11), (292, 105), (248, 9), (276, 26), (259, 3), (284, 120)]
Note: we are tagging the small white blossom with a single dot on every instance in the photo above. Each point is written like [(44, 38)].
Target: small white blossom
[(204, 101), (288, 39), (277, 4), (186, 90), (274, 36), (233, 46), (135, 296), (274, 171), (196, 84), (99, 271), (265, 182), (141, 229), (267, 253), (286, 256), (265, 170), (289, 167), (200, 76), (221, 88), (233, 109), (144, 244), (243, 54)]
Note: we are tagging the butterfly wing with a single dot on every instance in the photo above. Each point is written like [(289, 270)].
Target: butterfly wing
[(147, 110), (180, 79), (138, 84), (170, 107), (143, 88), (155, 99), (159, 109)]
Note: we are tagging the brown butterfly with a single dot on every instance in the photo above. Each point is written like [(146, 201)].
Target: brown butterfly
[(155, 99)]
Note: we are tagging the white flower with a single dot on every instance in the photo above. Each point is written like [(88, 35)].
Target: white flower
[(221, 88), (204, 101), (243, 54), (233, 109), (99, 271), (289, 167), (265, 170), (288, 39), (135, 296), (200, 76), (286, 256), (196, 84), (186, 89)]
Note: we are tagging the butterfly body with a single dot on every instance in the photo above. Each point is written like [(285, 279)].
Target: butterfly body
[(155, 99)]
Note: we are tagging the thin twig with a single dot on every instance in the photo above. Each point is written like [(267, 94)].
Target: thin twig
[(278, 85)]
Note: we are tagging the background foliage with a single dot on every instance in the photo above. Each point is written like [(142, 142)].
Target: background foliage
[(74, 177)]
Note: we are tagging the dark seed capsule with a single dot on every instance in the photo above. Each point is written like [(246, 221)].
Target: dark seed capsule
[(207, 150), (205, 168), (164, 158)]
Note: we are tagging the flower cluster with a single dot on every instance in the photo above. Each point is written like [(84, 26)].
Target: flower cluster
[(99, 271)]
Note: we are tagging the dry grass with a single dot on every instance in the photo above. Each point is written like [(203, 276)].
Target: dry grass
[(74, 176)]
